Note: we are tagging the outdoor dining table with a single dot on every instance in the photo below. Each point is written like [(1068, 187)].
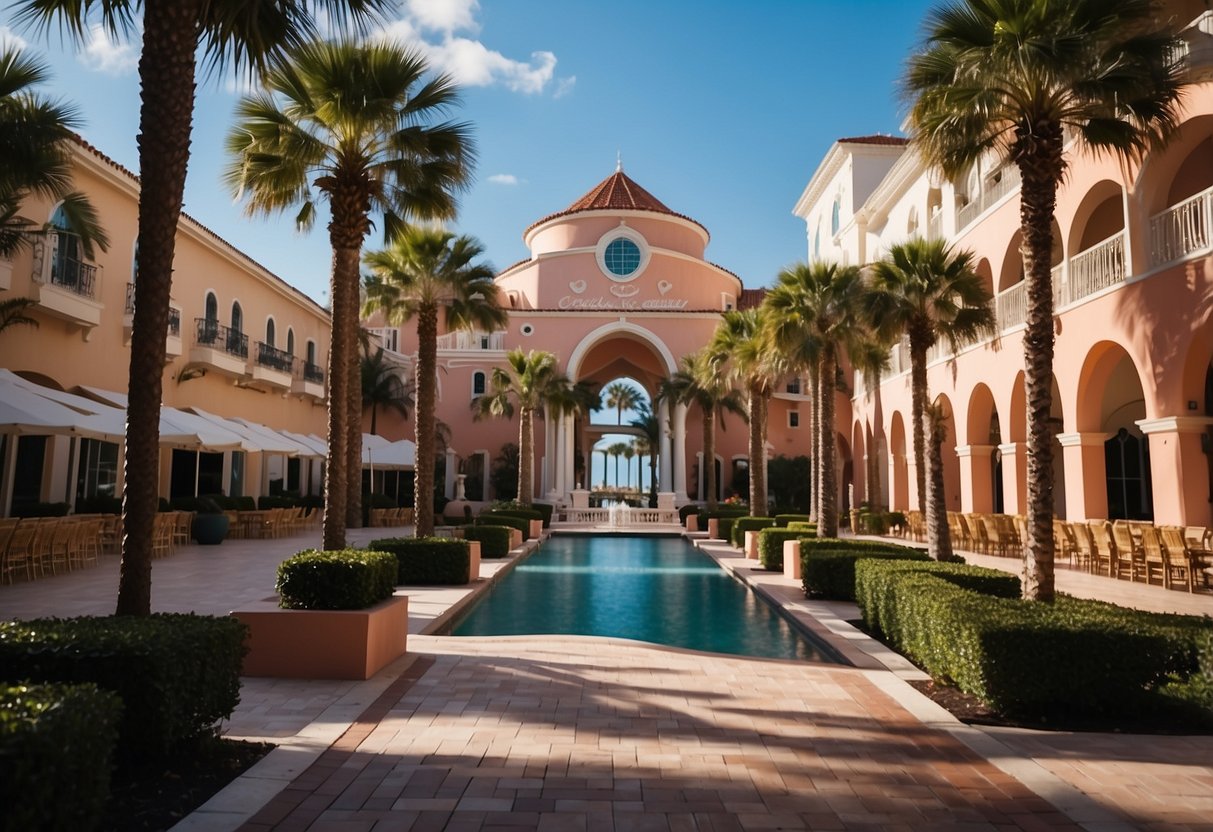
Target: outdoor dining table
[(254, 524)]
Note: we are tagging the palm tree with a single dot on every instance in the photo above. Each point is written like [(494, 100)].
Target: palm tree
[(1009, 78), (12, 313), (606, 453), (698, 382), (225, 33), (650, 441), (616, 450), (629, 453), (425, 271), (532, 383), (383, 387), (815, 314), (358, 124), (738, 345), (928, 291), (37, 136), (621, 397)]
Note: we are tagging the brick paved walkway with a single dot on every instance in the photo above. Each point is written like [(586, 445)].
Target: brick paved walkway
[(577, 734)]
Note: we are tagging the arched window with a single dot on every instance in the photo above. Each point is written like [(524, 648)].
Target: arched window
[(912, 221), (836, 215), (817, 243), (311, 353), (290, 341), (478, 383), (237, 323), (67, 266), (269, 331), (212, 307)]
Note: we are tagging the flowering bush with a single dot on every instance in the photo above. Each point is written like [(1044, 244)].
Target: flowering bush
[(735, 500)]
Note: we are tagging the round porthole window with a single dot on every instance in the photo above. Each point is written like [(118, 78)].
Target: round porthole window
[(527, 329), (622, 254)]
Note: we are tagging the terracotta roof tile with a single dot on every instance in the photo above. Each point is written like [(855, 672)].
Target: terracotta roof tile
[(750, 298), (891, 141), (618, 192)]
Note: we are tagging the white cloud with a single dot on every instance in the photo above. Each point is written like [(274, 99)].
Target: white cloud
[(564, 86), (104, 54), (467, 60), (10, 40), (447, 16), (504, 179)]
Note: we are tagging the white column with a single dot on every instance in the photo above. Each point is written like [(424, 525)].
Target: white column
[(549, 457), (9, 474), (452, 468), (73, 472), (559, 452), (680, 453), (665, 466), (570, 457)]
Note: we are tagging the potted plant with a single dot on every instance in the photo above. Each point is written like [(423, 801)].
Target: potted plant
[(210, 524)]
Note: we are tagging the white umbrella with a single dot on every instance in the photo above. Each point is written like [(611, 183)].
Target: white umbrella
[(317, 447), (181, 428), (385, 454), (25, 411)]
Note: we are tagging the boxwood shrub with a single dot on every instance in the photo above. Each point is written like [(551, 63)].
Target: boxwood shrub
[(177, 674), (56, 742), (803, 526), (770, 546), (524, 513), (747, 524), (546, 510), (724, 527), (522, 524), (428, 561), (1070, 657), (494, 540), (782, 520), (827, 565), (348, 579)]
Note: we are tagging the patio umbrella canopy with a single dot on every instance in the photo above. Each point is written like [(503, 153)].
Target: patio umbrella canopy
[(29, 408)]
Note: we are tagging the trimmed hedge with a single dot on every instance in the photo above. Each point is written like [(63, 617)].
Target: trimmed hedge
[(428, 561), (177, 674), (827, 565), (56, 742), (348, 579), (546, 510), (770, 546), (494, 540), (747, 524), (1073, 656), (724, 527), (522, 524), (782, 520), (803, 526), (524, 513)]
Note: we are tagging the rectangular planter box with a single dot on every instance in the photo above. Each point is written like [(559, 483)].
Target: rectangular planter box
[(535, 531), (473, 560), (791, 559), (751, 545), (325, 644), (713, 528)]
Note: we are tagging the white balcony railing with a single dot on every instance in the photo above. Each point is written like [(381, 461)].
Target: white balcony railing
[(1194, 48), (472, 341), (1182, 229), (388, 337), (935, 226), (1011, 306), (1098, 267), (991, 192)]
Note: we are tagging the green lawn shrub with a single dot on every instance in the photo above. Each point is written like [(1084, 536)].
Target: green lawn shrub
[(494, 540), (686, 511), (724, 527), (522, 524), (348, 579), (782, 520), (747, 524), (546, 510), (177, 674), (1072, 657), (56, 742), (770, 546), (524, 513), (428, 561), (827, 565), (803, 526)]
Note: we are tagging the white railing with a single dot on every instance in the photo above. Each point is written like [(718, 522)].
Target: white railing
[(388, 336), (1182, 229), (471, 341), (1008, 182), (935, 226), (1194, 47), (620, 517), (1098, 267), (1011, 306)]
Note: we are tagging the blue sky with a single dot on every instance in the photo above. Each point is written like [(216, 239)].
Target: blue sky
[(722, 109)]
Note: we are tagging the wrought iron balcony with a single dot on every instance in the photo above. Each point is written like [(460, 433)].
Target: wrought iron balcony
[(174, 322), (217, 336), (274, 358), (129, 309), (313, 373), (75, 276)]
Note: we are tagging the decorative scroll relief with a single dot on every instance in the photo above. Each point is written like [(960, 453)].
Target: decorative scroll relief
[(628, 303)]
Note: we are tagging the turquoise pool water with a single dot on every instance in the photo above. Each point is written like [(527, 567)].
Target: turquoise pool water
[(655, 589)]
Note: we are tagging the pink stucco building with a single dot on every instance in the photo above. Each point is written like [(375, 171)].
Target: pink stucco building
[(1133, 390), (617, 285)]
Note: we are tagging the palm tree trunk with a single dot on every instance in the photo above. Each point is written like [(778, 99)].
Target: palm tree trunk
[(166, 73), (374, 414), (344, 293), (827, 521), (353, 425), (758, 498), (1040, 172), (918, 407), (423, 476), (526, 455), (939, 540), (605, 462), (814, 443), (709, 456)]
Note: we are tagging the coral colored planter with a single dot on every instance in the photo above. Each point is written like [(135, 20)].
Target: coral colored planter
[(713, 528), (473, 560), (692, 522), (325, 644), (791, 559), (751, 545), (535, 531)]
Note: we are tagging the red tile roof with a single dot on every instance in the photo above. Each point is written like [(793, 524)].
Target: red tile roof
[(892, 141), (618, 192), (750, 298)]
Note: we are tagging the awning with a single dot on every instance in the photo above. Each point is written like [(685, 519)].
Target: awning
[(180, 428), (25, 410), (380, 453), (319, 448)]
